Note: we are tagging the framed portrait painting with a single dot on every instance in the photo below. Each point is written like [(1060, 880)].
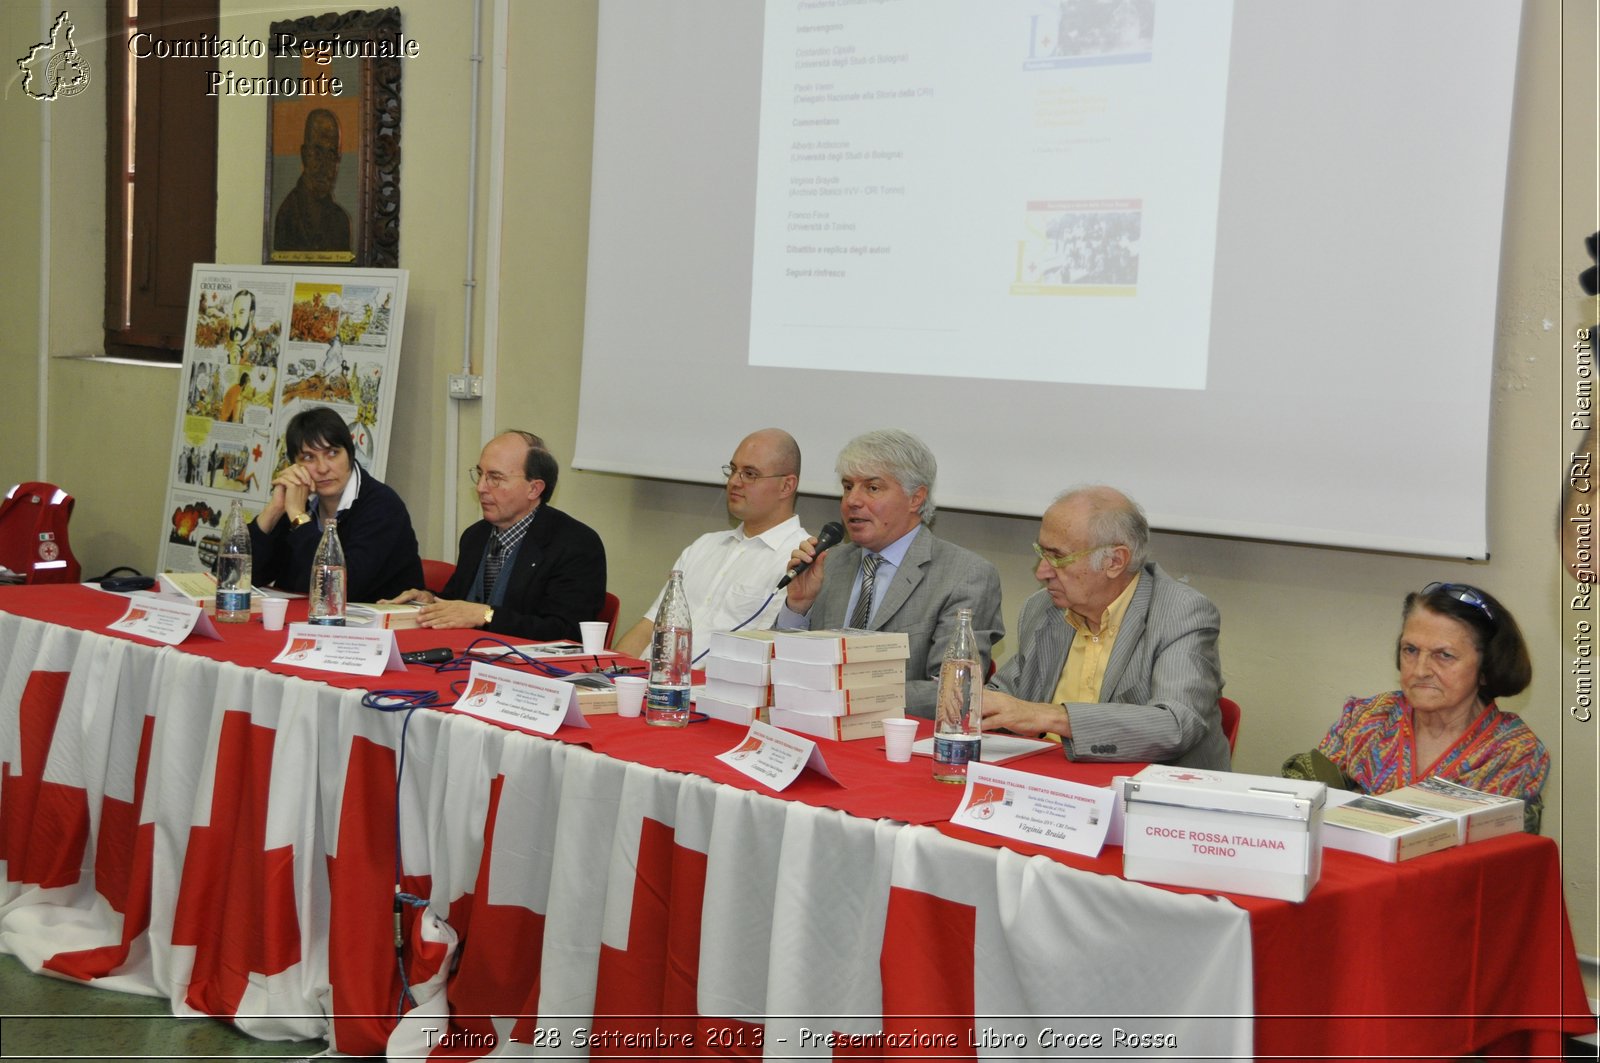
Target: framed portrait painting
[(333, 141)]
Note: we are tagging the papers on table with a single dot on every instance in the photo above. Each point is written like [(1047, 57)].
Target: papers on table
[(996, 748), (540, 650)]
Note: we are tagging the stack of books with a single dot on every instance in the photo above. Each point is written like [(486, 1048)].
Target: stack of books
[(839, 684), (738, 686)]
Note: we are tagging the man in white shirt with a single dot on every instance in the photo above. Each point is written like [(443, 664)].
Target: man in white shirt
[(730, 576)]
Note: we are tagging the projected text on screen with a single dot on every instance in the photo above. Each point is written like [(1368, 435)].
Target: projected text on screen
[(1020, 190)]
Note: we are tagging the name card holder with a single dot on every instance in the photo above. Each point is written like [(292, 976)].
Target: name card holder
[(774, 757), (167, 620), (347, 650), (523, 702), (1033, 808)]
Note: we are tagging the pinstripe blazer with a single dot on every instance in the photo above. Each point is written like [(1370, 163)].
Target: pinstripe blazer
[(1161, 685), (934, 580)]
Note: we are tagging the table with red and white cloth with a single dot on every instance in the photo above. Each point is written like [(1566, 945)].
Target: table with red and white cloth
[(205, 826)]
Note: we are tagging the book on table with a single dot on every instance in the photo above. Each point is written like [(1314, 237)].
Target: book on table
[(753, 695), (751, 673), (199, 588), (728, 711), (816, 676), (393, 617), (841, 702), (750, 645), (842, 646), (1477, 815), (1383, 830), (839, 728)]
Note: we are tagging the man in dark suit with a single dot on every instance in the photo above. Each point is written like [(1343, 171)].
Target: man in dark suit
[(1115, 657), (894, 574), (526, 569)]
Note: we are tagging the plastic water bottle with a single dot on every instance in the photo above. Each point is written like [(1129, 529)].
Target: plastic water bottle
[(958, 714), (327, 578), (666, 699), (233, 569)]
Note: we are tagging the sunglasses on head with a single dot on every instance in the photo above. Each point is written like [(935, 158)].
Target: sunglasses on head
[(1462, 593)]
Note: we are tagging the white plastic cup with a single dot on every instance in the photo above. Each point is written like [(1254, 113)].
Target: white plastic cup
[(898, 736), (594, 635), (630, 694), (273, 611)]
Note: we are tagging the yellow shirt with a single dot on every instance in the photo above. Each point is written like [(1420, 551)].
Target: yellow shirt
[(1086, 663)]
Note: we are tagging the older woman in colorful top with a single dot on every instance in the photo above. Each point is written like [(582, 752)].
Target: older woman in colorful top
[(1459, 650)]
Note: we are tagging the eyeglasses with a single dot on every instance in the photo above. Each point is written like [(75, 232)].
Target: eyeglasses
[(1462, 593), (1063, 560), (747, 474), (496, 480)]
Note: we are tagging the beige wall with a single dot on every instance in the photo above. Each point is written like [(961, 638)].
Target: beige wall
[(1303, 627)]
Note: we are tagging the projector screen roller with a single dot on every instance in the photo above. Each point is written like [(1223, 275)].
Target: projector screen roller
[(1237, 258)]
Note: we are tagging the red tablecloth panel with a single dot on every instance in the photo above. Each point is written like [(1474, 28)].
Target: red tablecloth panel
[(1326, 982)]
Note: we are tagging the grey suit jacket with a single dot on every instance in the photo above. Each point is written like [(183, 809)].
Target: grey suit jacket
[(1161, 685), (934, 580)]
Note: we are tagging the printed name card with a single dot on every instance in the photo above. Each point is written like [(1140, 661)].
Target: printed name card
[(521, 701), (774, 757), (167, 620), (1033, 808), (350, 650)]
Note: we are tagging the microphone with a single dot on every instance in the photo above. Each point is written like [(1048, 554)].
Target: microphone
[(832, 534)]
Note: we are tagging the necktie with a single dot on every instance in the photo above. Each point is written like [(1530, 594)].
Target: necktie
[(863, 610), (491, 566)]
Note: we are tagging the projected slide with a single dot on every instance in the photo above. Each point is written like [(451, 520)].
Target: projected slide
[(1006, 189)]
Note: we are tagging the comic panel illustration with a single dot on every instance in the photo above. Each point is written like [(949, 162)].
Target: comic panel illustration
[(239, 321), (193, 531)]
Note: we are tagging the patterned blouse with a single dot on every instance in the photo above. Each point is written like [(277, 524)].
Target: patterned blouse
[(1373, 743)]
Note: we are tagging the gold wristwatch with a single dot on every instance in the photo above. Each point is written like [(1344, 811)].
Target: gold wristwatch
[(299, 519), (488, 616)]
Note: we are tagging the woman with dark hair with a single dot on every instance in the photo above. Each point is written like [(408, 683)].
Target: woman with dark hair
[(1459, 650), (323, 480)]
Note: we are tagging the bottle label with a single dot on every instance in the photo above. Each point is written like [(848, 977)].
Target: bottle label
[(233, 601), (667, 699), (956, 751)]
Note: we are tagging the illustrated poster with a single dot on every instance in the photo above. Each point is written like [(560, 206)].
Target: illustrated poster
[(263, 343)]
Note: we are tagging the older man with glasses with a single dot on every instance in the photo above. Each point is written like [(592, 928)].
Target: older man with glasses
[(729, 575), (526, 569), (1116, 659)]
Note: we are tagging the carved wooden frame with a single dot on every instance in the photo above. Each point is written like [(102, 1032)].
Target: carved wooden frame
[(374, 149)]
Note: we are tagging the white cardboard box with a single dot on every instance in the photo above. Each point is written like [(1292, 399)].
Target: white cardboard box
[(1220, 830)]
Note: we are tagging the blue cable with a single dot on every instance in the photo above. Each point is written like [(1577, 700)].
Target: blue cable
[(740, 625)]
